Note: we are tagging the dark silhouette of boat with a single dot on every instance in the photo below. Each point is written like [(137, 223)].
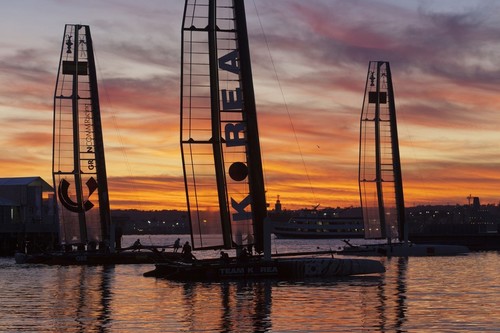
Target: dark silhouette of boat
[(380, 177), (87, 234), (129, 255)]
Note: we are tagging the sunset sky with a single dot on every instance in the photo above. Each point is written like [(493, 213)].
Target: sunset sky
[(309, 61)]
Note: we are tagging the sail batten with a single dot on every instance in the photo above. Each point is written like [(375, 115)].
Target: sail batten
[(78, 169), (219, 127)]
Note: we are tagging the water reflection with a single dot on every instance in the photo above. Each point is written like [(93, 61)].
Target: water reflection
[(242, 306), (401, 307), (84, 294), (262, 322), (392, 295), (456, 294), (265, 306)]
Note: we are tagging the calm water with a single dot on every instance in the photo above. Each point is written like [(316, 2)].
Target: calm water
[(442, 294)]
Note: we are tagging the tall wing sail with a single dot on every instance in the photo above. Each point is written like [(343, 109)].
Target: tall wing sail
[(219, 137), (380, 180), (78, 155)]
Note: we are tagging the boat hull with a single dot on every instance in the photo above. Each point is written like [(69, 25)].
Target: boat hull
[(95, 258), (281, 269), (473, 241), (315, 235), (402, 250)]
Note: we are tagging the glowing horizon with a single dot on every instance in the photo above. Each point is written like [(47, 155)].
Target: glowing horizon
[(444, 67)]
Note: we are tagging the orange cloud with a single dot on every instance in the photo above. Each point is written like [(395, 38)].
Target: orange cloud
[(313, 58)]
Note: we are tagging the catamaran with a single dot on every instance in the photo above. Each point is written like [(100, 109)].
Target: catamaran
[(79, 170), (222, 161), (380, 177)]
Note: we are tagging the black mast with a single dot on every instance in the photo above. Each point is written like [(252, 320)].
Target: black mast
[(398, 178), (378, 156), (216, 128), (102, 179), (256, 177), (77, 172)]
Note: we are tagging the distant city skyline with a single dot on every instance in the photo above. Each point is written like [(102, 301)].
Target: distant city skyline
[(444, 62)]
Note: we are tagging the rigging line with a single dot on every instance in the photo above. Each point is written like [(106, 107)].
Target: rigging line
[(284, 101), (117, 129)]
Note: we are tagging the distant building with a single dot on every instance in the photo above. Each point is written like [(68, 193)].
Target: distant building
[(27, 215)]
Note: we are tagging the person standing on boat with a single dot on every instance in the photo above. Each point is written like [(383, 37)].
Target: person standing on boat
[(224, 257), (250, 244), (118, 237), (244, 256), (188, 255), (137, 244), (177, 244)]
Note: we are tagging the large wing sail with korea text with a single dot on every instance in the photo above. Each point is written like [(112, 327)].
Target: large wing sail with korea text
[(219, 136)]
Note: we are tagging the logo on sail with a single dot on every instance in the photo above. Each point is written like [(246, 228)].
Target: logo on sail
[(68, 203), (235, 133)]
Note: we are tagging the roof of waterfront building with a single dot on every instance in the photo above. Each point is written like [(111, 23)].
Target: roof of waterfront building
[(26, 181)]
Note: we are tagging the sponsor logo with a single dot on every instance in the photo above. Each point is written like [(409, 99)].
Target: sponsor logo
[(68, 203), (248, 271), (235, 134)]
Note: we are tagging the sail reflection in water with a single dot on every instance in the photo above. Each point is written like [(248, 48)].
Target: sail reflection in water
[(51, 299), (85, 296), (216, 306)]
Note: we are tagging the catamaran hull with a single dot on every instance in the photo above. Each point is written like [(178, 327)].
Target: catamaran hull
[(316, 235), (281, 269), (401, 250), (94, 258)]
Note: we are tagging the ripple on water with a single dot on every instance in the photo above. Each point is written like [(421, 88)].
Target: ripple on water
[(458, 294)]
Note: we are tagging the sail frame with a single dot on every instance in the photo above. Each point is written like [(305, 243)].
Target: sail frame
[(78, 162), (219, 137), (380, 178)]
